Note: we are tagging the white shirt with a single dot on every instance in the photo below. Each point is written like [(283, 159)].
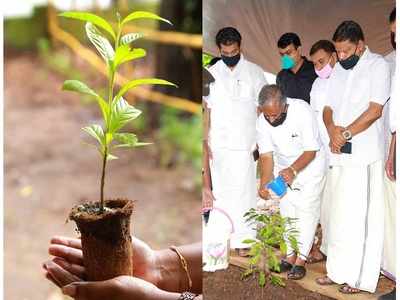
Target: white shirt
[(350, 92), (388, 108), (393, 106), (318, 98), (233, 105), (298, 133)]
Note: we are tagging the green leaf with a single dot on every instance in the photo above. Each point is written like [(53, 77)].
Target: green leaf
[(277, 281), (111, 157), (88, 17), (134, 83), (124, 53), (96, 132), (80, 87), (143, 15), (122, 113), (126, 139), (100, 42), (130, 37), (249, 241)]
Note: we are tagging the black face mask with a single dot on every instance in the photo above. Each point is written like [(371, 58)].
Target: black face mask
[(278, 121), (350, 62), (393, 40), (231, 61)]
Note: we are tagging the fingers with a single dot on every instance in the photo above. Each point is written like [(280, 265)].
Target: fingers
[(100, 290), (60, 276), (66, 241), (72, 255), (74, 269)]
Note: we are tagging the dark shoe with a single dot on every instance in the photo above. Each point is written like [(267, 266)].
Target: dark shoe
[(284, 266), (389, 296), (297, 272)]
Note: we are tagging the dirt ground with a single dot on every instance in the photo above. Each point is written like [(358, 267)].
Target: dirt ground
[(227, 284), (48, 170)]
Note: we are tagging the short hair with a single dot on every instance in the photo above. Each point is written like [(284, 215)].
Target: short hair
[(271, 92), (348, 31), (325, 45), (288, 39), (392, 17), (228, 36)]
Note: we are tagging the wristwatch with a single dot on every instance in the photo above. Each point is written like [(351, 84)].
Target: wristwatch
[(347, 134)]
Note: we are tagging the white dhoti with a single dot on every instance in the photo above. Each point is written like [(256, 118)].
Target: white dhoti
[(303, 205), (233, 176), (389, 243), (356, 226), (326, 211)]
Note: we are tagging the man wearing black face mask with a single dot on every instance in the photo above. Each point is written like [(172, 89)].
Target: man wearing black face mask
[(359, 87), (290, 146), (232, 114)]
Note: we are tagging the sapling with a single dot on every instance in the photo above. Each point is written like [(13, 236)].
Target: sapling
[(272, 230), (105, 225), (116, 111)]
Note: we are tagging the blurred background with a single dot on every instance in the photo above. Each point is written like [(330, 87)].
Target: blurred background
[(47, 167)]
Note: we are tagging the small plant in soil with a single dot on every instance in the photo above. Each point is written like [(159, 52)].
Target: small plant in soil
[(105, 225), (272, 229)]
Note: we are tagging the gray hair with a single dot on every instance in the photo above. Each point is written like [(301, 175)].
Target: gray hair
[(270, 93)]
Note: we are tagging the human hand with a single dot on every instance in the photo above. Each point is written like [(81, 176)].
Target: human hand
[(264, 193), (389, 168), (288, 175), (336, 138), (208, 198), (334, 149), (67, 266), (119, 288)]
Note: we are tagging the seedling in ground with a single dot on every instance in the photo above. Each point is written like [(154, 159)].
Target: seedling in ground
[(272, 230)]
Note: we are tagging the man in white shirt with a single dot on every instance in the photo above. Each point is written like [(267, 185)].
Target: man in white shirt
[(358, 88), (323, 55), (289, 145), (389, 242), (232, 111)]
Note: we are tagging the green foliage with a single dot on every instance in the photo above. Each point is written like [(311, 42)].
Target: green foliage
[(180, 139), (271, 234), (206, 59), (117, 112)]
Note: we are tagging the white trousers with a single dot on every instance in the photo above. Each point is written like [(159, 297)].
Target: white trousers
[(304, 206), (233, 175), (356, 226), (326, 211), (389, 242)]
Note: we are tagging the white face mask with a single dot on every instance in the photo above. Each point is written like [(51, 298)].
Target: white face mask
[(326, 71)]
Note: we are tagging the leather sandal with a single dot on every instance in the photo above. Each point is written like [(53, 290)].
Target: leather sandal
[(297, 272), (284, 266), (346, 289)]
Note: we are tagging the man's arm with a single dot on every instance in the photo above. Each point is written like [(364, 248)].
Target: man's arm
[(266, 164), (303, 161), (366, 119), (207, 195), (335, 132)]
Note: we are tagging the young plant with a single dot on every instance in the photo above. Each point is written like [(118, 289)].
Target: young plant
[(116, 111), (272, 229)]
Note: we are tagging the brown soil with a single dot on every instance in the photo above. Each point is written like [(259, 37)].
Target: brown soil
[(106, 238), (227, 284), (48, 170)]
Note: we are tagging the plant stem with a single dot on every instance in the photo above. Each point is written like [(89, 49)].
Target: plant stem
[(111, 74), (103, 174)]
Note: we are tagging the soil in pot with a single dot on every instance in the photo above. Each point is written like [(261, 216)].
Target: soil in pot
[(106, 238)]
